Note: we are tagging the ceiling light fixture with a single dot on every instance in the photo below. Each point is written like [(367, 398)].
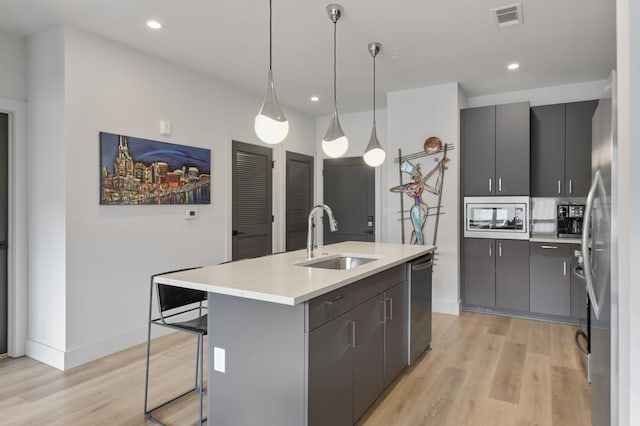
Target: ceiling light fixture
[(513, 66), (374, 154), (271, 125), (154, 25), (314, 99), (334, 143)]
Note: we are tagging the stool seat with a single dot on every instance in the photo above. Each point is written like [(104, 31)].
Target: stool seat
[(197, 325)]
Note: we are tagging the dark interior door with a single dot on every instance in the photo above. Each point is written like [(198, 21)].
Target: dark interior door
[(252, 218), (4, 192), (349, 189), (299, 199)]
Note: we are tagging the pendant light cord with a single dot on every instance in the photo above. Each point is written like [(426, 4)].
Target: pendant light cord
[(374, 91), (270, 36), (335, 103)]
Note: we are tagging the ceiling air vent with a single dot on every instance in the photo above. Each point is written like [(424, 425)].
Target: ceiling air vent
[(508, 16)]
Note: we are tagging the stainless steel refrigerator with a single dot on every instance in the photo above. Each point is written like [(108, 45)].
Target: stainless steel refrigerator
[(599, 246)]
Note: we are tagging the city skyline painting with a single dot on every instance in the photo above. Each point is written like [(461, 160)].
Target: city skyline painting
[(137, 171)]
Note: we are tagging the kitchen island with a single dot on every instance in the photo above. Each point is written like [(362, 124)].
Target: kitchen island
[(292, 344)]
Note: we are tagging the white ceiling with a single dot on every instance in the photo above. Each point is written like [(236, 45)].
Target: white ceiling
[(438, 41)]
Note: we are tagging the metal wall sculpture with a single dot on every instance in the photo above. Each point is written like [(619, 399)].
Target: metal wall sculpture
[(420, 210)]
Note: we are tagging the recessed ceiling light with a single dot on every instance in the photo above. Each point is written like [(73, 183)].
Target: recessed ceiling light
[(513, 66), (314, 99), (154, 25)]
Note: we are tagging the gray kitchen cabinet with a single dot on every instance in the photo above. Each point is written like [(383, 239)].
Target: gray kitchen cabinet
[(512, 275), (331, 373), (479, 139), (479, 272), (512, 149), (578, 147), (561, 149), (578, 287), (395, 341), (550, 279), (496, 149), (368, 354)]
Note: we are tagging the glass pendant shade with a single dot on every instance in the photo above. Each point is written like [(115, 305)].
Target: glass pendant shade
[(374, 154), (271, 125), (335, 143)]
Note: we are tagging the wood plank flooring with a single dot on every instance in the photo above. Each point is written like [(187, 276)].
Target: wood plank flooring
[(482, 370)]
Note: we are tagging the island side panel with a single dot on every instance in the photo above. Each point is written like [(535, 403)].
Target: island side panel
[(265, 373)]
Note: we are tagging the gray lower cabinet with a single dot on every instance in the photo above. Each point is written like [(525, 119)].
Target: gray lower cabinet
[(331, 373), (479, 272), (578, 287), (512, 275), (368, 354), (395, 342), (550, 280)]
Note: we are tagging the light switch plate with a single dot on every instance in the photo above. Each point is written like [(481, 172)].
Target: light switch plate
[(219, 361), (191, 214), (165, 128)]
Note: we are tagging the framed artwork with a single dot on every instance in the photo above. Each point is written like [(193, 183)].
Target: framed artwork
[(136, 171)]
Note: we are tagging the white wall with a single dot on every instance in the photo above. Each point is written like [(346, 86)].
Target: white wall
[(628, 67), (13, 67), (413, 116), (46, 198), (543, 95), (357, 127), (111, 251)]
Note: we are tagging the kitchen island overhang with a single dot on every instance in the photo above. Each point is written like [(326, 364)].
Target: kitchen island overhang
[(259, 319)]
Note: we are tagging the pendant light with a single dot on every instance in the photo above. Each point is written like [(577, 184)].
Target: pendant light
[(334, 143), (271, 125), (374, 154)]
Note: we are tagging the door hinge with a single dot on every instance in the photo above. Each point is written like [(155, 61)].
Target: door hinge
[(273, 219), (273, 164)]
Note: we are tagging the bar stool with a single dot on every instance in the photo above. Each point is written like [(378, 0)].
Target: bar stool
[(174, 301)]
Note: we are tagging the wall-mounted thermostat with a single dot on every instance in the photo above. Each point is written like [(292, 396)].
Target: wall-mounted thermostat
[(191, 214)]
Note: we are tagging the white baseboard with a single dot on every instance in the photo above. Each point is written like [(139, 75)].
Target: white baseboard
[(444, 306), (46, 354)]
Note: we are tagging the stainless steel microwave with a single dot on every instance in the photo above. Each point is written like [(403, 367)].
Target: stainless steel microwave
[(496, 217)]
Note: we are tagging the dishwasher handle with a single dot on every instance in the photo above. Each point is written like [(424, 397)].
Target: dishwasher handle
[(422, 265)]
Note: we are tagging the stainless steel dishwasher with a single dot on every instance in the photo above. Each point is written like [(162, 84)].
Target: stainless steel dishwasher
[(420, 307)]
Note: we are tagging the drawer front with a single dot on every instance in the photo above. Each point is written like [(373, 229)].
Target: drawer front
[(329, 306), (550, 249), (369, 287)]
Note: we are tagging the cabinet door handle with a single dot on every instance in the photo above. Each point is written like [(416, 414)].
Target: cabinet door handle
[(489, 184), (564, 267), (559, 186), (390, 311), (548, 247), (353, 333), (489, 250), (336, 300), (570, 186), (500, 249), (499, 184)]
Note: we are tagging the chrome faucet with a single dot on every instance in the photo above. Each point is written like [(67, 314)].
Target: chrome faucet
[(333, 225)]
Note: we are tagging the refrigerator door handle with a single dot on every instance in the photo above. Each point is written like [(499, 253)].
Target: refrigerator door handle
[(585, 244)]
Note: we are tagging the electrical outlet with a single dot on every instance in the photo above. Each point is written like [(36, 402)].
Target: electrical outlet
[(219, 359), (191, 214)]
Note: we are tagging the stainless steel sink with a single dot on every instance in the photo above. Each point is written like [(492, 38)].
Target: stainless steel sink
[(338, 262)]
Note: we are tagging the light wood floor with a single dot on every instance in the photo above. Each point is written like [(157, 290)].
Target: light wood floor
[(482, 370)]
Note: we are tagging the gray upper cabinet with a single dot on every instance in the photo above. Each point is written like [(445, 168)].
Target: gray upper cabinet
[(496, 149), (561, 149), (512, 149), (479, 272), (512, 275), (578, 147), (479, 139)]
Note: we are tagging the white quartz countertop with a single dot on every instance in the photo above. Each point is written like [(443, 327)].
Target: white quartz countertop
[(280, 278), (543, 238)]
